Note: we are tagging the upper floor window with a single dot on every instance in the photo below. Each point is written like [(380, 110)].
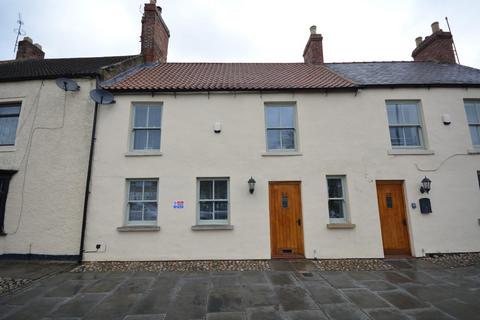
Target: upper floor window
[(213, 203), (142, 201), (281, 127), (472, 108), (337, 202), (9, 114), (405, 124), (146, 127)]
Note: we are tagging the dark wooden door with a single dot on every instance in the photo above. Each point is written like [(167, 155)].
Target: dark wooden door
[(391, 205), (5, 176), (286, 224)]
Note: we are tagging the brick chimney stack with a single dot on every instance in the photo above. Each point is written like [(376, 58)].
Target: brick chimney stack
[(155, 34), (28, 50), (313, 52), (437, 47)]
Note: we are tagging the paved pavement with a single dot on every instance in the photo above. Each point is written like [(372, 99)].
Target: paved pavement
[(293, 290)]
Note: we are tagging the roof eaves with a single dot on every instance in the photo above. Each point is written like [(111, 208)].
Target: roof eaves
[(250, 90), (420, 85)]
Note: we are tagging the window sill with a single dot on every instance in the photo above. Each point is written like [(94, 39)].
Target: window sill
[(425, 152), (340, 226), (205, 227), (7, 149), (138, 229), (281, 154), (143, 154), (474, 150)]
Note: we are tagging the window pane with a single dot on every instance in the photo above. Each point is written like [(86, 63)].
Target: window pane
[(287, 118), (475, 132), (11, 110), (150, 191), (412, 136), (221, 210), (392, 114), (206, 189), (136, 189), (409, 114), (153, 139), (150, 211), (288, 139), (206, 210), (472, 114), (396, 136), (273, 139), (335, 189), (140, 116), (273, 115), (335, 209), (154, 116), (135, 212), (221, 189), (139, 139), (8, 130)]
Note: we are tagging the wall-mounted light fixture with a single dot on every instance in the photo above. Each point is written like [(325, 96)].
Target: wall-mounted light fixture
[(251, 185), (425, 187)]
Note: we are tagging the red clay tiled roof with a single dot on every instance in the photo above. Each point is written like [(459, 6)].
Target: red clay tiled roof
[(228, 76)]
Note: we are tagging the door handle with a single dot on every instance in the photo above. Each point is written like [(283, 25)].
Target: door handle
[(299, 222), (404, 221)]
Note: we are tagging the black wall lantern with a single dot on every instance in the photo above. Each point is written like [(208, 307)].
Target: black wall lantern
[(251, 185), (425, 187)]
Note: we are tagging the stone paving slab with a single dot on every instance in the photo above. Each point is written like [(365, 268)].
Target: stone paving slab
[(410, 290)]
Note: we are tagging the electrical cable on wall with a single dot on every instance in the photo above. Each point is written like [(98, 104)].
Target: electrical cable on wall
[(441, 163), (26, 156)]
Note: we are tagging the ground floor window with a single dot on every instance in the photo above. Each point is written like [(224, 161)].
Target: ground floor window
[(142, 201), (337, 204), (213, 200)]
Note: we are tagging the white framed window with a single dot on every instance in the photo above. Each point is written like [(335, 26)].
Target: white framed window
[(472, 109), (337, 199), (213, 200), (146, 127), (142, 206), (280, 123), (405, 124), (9, 114)]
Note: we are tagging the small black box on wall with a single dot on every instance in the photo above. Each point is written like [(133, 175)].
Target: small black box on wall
[(425, 205)]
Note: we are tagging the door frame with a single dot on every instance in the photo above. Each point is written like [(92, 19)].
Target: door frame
[(292, 256), (406, 215), (7, 175)]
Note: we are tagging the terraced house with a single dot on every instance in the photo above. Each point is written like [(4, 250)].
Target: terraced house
[(272, 160), (45, 138)]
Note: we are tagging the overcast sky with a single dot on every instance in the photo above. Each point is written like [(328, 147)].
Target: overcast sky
[(243, 30)]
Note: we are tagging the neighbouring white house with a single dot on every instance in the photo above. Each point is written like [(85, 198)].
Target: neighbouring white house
[(45, 140), (272, 160)]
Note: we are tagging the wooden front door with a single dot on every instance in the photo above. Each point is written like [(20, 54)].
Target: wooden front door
[(286, 224), (391, 205)]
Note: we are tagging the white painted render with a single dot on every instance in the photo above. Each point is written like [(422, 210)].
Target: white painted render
[(338, 134), (45, 199)]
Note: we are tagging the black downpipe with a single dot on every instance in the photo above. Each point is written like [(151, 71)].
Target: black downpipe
[(87, 187)]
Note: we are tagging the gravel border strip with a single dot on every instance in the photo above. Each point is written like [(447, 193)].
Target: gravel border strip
[(352, 265), (180, 266), (10, 285), (454, 260)]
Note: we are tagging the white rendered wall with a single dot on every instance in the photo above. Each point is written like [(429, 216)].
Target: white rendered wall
[(54, 188), (338, 133)]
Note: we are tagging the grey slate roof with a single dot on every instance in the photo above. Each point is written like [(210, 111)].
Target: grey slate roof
[(53, 68), (407, 73)]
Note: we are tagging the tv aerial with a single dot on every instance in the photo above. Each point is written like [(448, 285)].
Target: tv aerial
[(102, 96), (19, 31), (67, 84)]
